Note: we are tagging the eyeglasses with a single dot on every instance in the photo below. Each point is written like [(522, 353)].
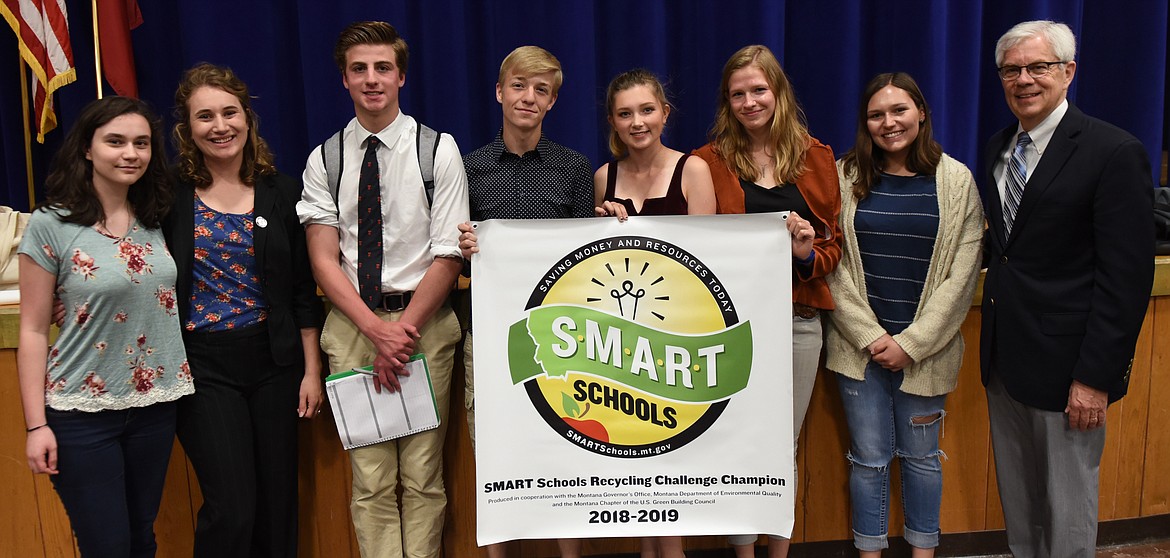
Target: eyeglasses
[(1035, 69)]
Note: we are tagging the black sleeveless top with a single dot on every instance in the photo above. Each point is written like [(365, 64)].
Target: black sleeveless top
[(673, 203), (785, 197)]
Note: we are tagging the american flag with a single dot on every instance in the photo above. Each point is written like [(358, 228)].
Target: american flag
[(42, 31)]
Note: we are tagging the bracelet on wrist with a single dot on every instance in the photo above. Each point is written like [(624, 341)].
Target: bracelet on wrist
[(29, 430)]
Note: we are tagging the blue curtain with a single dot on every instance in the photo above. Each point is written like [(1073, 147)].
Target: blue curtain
[(830, 48)]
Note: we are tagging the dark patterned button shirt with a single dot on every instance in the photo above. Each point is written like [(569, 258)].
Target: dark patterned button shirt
[(548, 182)]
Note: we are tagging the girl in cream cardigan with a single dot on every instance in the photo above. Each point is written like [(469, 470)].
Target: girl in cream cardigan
[(912, 226)]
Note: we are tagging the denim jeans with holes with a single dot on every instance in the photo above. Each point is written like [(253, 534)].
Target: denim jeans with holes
[(885, 422)]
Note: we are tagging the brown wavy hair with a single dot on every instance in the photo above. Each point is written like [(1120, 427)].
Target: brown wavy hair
[(69, 185), (622, 82), (864, 162), (257, 157), (787, 133)]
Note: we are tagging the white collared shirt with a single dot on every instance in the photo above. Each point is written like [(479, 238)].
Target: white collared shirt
[(1041, 135), (413, 233)]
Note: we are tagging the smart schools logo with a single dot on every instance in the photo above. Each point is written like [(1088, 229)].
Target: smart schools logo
[(631, 348)]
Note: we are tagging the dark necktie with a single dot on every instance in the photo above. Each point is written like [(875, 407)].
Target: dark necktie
[(1017, 173), (369, 267)]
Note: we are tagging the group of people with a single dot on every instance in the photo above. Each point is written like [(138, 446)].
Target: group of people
[(189, 308), (190, 296)]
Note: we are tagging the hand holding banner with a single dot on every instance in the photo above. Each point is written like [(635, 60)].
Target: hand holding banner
[(635, 366)]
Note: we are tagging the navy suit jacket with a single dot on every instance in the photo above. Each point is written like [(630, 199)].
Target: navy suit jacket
[(281, 254), (1066, 293)]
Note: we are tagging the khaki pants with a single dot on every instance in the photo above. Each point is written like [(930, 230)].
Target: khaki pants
[(807, 340), (461, 300), (417, 460), (469, 383)]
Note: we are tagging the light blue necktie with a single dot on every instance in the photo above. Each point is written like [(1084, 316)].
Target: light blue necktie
[(1017, 172)]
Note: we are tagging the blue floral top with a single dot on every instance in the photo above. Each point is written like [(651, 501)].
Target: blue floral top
[(120, 345), (225, 293)]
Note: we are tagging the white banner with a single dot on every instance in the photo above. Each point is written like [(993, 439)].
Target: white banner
[(633, 379)]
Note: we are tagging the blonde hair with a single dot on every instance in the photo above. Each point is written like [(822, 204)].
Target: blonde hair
[(531, 60), (787, 133), (622, 82)]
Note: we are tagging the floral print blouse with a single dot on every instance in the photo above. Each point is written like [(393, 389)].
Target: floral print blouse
[(120, 345), (225, 292)]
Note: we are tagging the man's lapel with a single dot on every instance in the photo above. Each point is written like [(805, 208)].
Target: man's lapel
[(1060, 149)]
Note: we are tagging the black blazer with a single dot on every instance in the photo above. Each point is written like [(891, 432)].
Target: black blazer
[(1066, 293), (285, 276)]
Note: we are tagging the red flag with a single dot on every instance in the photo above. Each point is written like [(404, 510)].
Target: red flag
[(115, 20), (42, 31)]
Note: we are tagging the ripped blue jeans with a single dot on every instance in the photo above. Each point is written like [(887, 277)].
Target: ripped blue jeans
[(885, 422)]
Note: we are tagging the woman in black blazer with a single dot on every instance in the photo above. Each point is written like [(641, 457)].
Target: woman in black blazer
[(251, 320)]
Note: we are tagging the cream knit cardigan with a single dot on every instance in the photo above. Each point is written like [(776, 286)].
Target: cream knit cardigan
[(933, 339)]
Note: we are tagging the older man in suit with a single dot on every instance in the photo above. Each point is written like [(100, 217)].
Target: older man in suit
[(1068, 200)]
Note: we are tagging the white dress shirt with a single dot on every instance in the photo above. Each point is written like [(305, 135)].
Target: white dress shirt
[(1041, 135), (413, 233)]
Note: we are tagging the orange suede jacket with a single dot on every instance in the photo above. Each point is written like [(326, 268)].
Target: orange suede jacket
[(819, 187)]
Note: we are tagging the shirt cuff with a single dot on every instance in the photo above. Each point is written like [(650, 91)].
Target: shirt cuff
[(808, 260)]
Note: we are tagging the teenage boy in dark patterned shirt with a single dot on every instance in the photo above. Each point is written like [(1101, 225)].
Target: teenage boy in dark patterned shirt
[(523, 175)]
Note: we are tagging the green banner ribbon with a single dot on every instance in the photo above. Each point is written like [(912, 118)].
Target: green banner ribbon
[(558, 339)]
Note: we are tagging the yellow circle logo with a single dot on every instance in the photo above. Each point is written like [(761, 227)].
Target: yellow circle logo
[(632, 347)]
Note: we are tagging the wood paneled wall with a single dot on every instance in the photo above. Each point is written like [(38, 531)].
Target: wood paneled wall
[(1133, 479)]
